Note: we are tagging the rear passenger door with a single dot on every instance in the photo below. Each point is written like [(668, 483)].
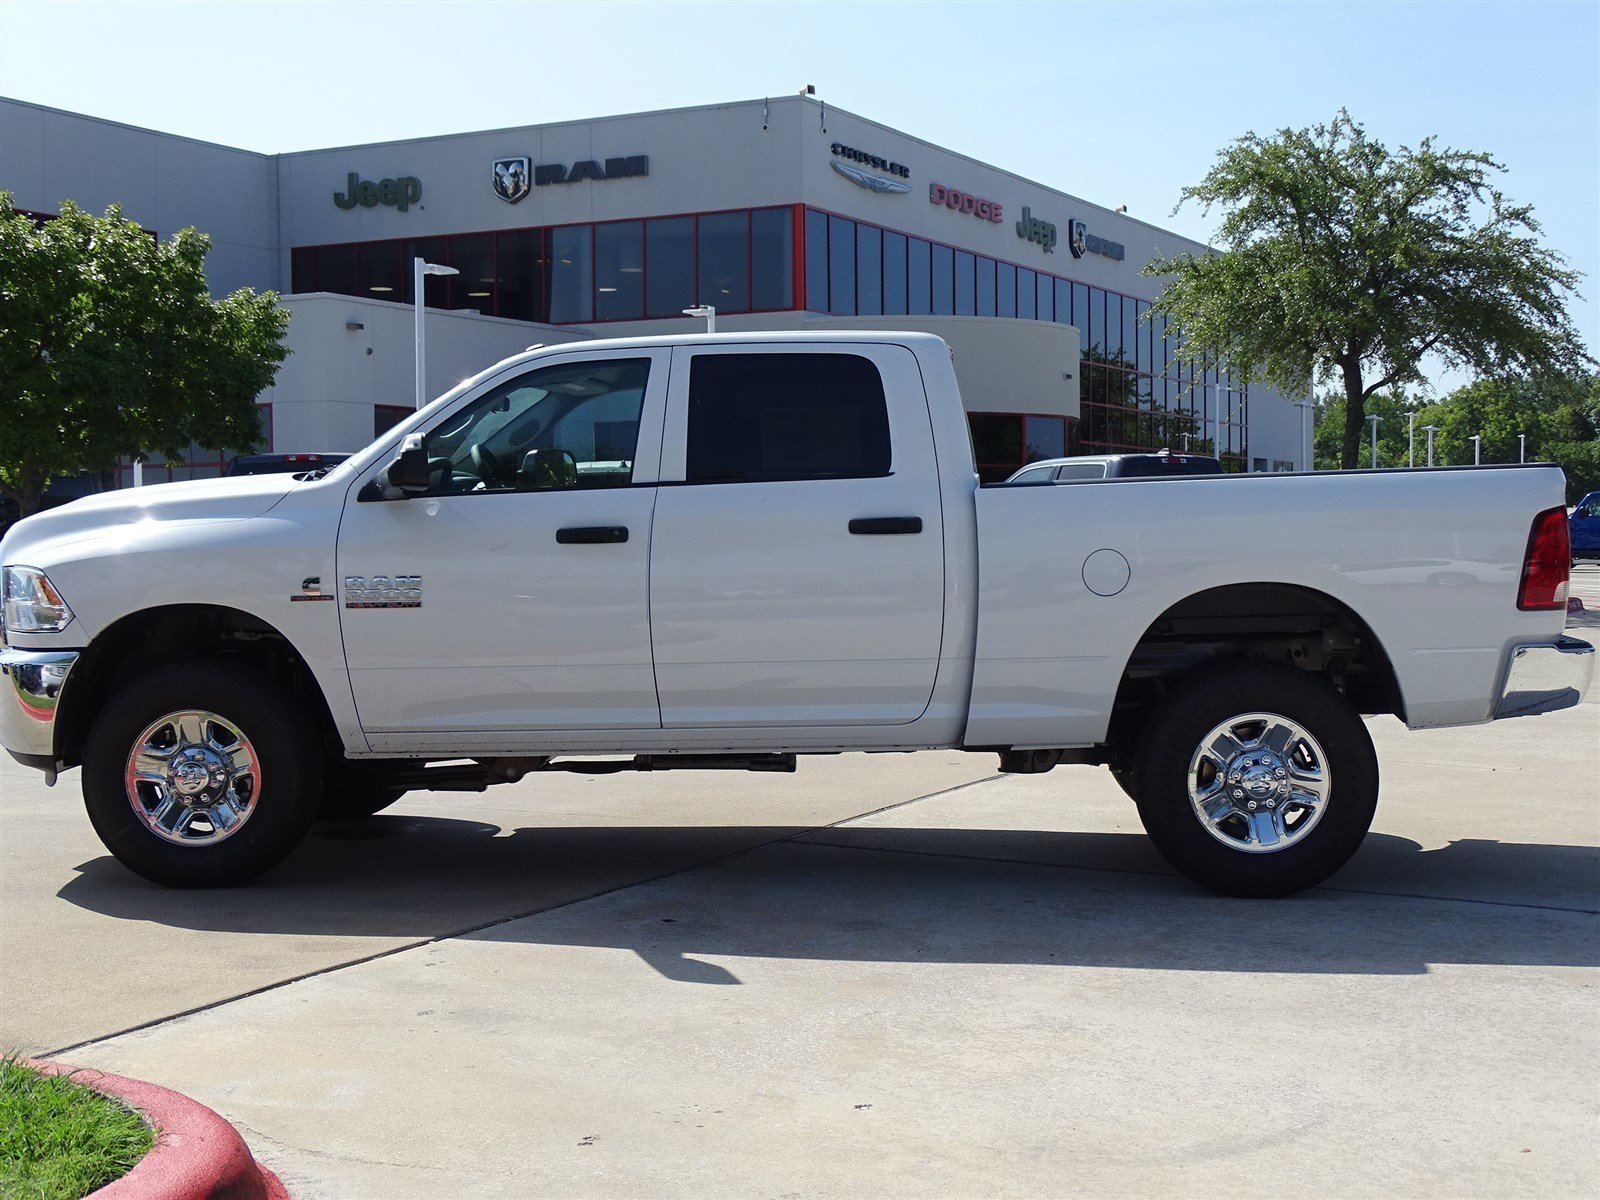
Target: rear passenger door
[(796, 566)]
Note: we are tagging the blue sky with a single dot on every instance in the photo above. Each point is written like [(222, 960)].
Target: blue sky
[(1118, 103)]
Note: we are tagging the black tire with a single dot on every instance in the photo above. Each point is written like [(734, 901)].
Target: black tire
[(286, 745), (1123, 775), (351, 794), (1212, 696)]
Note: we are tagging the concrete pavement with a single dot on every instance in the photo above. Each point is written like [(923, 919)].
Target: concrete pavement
[(778, 989)]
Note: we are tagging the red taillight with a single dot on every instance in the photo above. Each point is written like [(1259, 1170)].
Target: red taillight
[(1545, 567)]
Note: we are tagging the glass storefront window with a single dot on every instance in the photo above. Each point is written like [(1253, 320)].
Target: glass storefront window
[(619, 271), (668, 266), (1026, 291), (382, 277), (1063, 312), (571, 274), (986, 285), (772, 259), (724, 261), (473, 257), (966, 284), (1006, 299), (894, 274), (841, 265), (1044, 437), (520, 258), (1047, 298), (1096, 343), (869, 270), (816, 261), (944, 287), (919, 283)]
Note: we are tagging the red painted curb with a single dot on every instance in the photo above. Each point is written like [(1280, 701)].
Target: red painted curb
[(197, 1155)]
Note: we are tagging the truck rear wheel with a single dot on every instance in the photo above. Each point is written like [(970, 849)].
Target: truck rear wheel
[(1255, 779), (202, 774)]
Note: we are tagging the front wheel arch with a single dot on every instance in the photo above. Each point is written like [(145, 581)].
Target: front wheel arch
[(154, 637)]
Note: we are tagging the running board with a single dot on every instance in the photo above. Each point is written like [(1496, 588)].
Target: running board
[(678, 762)]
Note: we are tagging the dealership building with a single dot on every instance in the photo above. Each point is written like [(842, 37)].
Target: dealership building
[(782, 214)]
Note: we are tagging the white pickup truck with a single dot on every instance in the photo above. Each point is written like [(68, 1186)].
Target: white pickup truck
[(724, 551)]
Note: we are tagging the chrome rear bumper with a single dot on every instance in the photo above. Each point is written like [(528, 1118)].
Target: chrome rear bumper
[(1542, 677), (30, 688)]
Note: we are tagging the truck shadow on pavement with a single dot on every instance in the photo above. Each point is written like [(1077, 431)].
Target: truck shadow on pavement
[(869, 893)]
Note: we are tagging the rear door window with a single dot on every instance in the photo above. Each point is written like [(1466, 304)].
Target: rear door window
[(1075, 472), (768, 417)]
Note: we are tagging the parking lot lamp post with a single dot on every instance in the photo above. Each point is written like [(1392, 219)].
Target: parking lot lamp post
[(1373, 421), (1411, 439), (1477, 448), (1522, 447), (704, 310), (1430, 430), (419, 269)]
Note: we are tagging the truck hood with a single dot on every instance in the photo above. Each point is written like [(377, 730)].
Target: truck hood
[(198, 500)]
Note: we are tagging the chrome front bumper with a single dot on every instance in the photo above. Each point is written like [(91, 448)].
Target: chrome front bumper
[(1542, 677), (30, 688)]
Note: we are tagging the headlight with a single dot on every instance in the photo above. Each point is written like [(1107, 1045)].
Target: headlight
[(32, 604)]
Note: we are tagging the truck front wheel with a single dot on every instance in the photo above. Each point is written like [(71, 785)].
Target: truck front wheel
[(202, 774), (1255, 779)]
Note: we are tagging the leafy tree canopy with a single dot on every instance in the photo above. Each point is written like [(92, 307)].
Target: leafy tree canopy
[(110, 344), (1558, 414), (1343, 261)]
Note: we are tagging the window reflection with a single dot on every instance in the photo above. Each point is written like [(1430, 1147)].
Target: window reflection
[(619, 270), (669, 266), (571, 274), (772, 259), (724, 261)]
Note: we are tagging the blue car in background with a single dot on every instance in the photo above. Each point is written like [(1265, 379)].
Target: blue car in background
[(1584, 526)]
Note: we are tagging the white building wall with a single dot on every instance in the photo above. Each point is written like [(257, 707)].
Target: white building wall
[(325, 392)]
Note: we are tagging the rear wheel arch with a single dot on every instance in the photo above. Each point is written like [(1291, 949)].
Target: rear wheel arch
[(1297, 626)]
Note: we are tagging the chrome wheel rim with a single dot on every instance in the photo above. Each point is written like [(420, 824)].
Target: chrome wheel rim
[(193, 778), (1259, 783)]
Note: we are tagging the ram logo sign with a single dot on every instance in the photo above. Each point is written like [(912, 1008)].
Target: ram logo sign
[(383, 591)]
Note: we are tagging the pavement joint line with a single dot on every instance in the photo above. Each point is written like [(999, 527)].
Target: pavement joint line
[(154, 1022), (1033, 862)]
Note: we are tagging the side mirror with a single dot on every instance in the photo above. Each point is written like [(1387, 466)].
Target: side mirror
[(408, 474)]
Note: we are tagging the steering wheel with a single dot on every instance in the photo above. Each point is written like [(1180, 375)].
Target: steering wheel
[(484, 464)]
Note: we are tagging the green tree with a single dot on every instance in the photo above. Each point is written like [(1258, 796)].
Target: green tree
[(110, 345), (1343, 261), (1558, 414), (1392, 410)]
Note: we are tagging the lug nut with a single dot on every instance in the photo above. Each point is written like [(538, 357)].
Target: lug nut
[(1281, 773), (1252, 806), (1272, 804), (1238, 793)]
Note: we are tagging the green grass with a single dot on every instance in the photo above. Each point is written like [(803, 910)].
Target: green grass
[(59, 1140)]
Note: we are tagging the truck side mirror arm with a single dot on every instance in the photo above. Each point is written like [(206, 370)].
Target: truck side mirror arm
[(404, 477)]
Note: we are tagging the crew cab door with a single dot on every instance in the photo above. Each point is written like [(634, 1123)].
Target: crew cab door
[(797, 562), (514, 594)]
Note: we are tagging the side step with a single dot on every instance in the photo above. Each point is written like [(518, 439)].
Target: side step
[(476, 776), (678, 762)]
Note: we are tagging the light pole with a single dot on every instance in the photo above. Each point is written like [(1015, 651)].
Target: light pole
[(420, 268), (1372, 420), (706, 311), (1430, 430), (1308, 452), (1411, 439), (1522, 447), (1477, 448)]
